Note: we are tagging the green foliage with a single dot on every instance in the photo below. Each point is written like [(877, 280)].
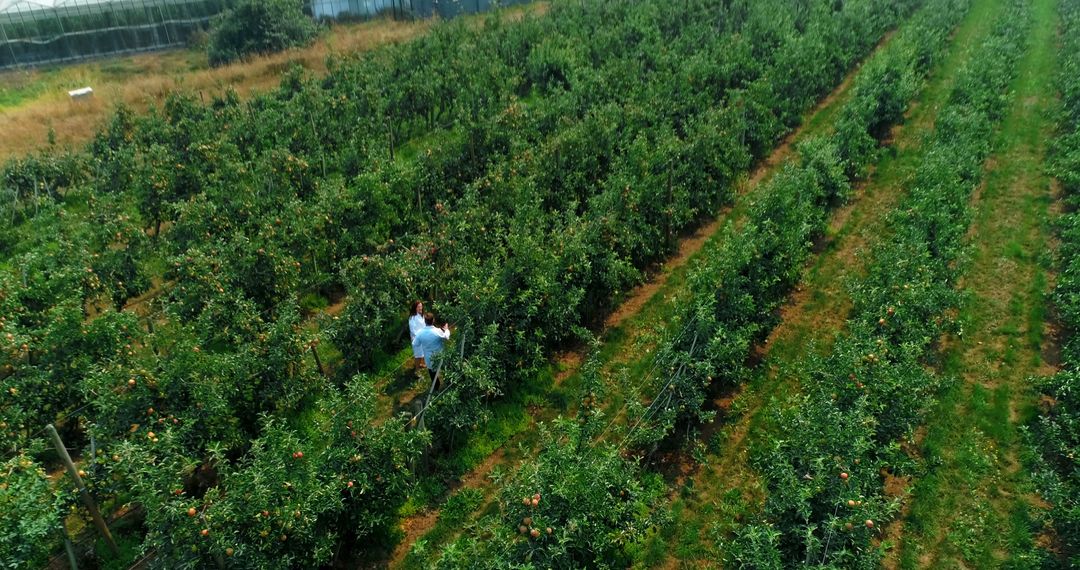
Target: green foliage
[(42, 176), (33, 514), (577, 504), (1054, 435), (825, 504), (288, 501), (737, 290), (826, 477), (258, 27), (517, 176), (460, 505), (756, 546)]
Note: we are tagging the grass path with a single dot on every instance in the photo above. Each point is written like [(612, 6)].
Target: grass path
[(974, 507), (724, 486), (643, 309)]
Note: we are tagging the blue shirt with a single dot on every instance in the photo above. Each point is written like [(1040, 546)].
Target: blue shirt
[(429, 342)]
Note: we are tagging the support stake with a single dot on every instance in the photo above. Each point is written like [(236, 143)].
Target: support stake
[(70, 550), (318, 361), (83, 493)]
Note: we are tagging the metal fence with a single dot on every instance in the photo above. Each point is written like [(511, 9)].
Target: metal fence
[(451, 8), (37, 32), (361, 9)]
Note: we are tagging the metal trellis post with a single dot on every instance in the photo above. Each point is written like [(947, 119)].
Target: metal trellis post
[(164, 24), (7, 41), (63, 35), (69, 549)]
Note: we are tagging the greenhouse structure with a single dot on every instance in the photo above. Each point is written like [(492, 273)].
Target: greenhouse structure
[(34, 32), (350, 9)]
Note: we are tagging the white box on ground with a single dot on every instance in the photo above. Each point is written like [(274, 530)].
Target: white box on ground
[(81, 93)]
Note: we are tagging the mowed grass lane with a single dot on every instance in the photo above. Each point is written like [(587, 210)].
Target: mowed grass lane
[(976, 508)]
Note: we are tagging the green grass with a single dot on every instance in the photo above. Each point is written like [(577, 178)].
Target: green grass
[(969, 508), (313, 302), (20, 87), (512, 418), (458, 509)]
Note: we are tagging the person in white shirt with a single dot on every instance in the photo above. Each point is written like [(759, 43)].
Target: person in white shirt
[(416, 324)]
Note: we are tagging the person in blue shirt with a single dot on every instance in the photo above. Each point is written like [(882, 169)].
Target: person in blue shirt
[(416, 324), (429, 342)]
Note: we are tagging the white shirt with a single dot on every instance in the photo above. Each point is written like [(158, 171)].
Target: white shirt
[(416, 324)]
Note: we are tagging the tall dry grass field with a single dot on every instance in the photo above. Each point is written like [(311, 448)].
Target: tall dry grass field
[(33, 101)]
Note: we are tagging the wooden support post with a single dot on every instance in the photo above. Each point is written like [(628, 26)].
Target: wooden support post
[(318, 361), (83, 493)]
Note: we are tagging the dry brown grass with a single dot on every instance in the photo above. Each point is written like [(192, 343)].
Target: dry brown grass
[(143, 80)]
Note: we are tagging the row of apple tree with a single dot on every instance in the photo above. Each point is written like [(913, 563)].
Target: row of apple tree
[(825, 472), (741, 284), (151, 285), (1055, 434), (546, 240), (597, 506), (825, 480), (252, 204), (233, 258)]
